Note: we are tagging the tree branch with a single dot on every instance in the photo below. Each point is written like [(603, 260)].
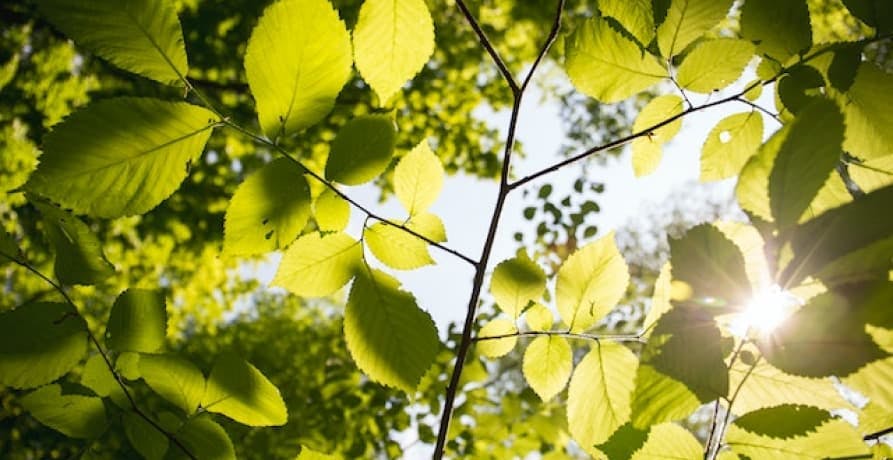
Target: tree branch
[(878, 434), (485, 42), (567, 334)]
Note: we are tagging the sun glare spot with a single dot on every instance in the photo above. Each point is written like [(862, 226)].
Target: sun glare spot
[(765, 311)]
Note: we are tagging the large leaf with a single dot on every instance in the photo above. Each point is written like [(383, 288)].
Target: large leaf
[(659, 398), (547, 365), (598, 399), (388, 335), (79, 256), (174, 379), (138, 321), (516, 282), (602, 63), (636, 16), (873, 381), (76, 416), (297, 60), (418, 179), (268, 210), (396, 248), (40, 342), (686, 21), (145, 438), (872, 174), (825, 337), (767, 386), (318, 265), (784, 421), (142, 36), (805, 160), (779, 28), (714, 64), (833, 439), (822, 243), (648, 149), (730, 144), (120, 157), (752, 190), (392, 42), (361, 150), (496, 348), (712, 266), (669, 441), (865, 108), (239, 391), (875, 13), (204, 438)]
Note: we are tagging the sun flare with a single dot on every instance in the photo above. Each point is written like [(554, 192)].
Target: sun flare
[(765, 311)]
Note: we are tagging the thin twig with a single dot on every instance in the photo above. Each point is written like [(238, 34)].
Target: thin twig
[(713, 426), (104, 355), (760, 108), (878, 434), (725, 422), (482, 38), (567, 334)]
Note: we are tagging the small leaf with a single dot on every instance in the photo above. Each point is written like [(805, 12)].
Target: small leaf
[(669, 441), (784, 422), (598, 399), (138, 321), (539, 318), (297, 61), (75, 416), (79, 256), (590, 283), (145, 438), (128, 365), (268, 211), (361, 150), (141, 37), (392, 42), (121, 157), (865, 108), (686, 21), (516, 282), (396, 248), (389, 337), (174, 379), (635, 16), (833, 439), (418, 179), (779, 29), (714, 64), (497, 348), (647, 149), (730, 144), (547, 365), (332, 213), (308, 454), (602, 63), (317, 265), (429, 226), (239, 391), (204, 438), (712, 266), (97, 377), (40, 342)]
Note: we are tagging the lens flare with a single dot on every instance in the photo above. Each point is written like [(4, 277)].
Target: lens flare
[(765, 311)]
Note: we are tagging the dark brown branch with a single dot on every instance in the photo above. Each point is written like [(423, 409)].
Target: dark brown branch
[(567, 334), (760, 108), (878, 434), (482, 38)]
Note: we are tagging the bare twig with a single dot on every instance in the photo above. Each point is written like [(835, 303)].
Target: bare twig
[(760, 108), (485, 42)]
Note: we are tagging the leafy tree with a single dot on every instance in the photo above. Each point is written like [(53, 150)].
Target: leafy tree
[(136, 176)]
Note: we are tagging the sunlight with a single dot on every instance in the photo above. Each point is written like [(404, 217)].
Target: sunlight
[(766, 310)]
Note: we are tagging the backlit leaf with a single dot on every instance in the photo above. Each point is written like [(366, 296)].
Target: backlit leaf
[(79, 256), (833, 439), (97, 376), (686, 21), (752, 190), (785, 421), (590, 283), (517, 282), (659, 398), (767, 386), (418, 179), (539, 317), (204, 438), (120, 157), (636, 16), (145, 438), (317, 265), (428, 225), (648, 149), (73, 415), (361, 150), (496, 348), (138, 321), (712, 65), (174, 379), (297, 60), (332, 213), (712, 266), (873, 382), (864, 107), (308, 454), (780, 29), (872, 174), (875, 13), (547, 365), (9, 250), (669, 441), (396, 248), (392, 42), (239, 391)]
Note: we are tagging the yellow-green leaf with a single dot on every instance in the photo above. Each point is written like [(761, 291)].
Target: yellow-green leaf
[(174, 379), (517, 282), (137, 322), (204, 438), (636, 16), (688, 20), (428, 225), (865, 106), (590, 283), (79, 256), (669, 441), (714, 64), (418, 179), (835, 438), (361, 150), (73, 415), (780, 29), (496, 348), (396, 248), (332, 213), (647, 149), (539, 317), (318, 265), (730, 144), (239, 391), (547, 365)]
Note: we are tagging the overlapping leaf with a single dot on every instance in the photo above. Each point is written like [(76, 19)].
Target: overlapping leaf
[(686, 21), (648, 149), (714, 64), (73, 415), (864, 106), (396, 248), (636, 16), (79, 256), (174, 379), (361, 150), (780, 29), (204, 438), (318, 265), (239, 391), (833, 439), (138, 321), (712, 266), (516, 282)]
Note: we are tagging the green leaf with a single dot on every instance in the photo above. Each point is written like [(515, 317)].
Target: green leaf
[(418, 179), (590, 283), (396, 248), (798, 87), (730, 144), (767, 386), (547, 365), (539, 317), (780, 29), (75, 416), (239, 391), (389, 337), (174, 379), (659, 398), (497, 348), (823, 243), (752, 190), (8, 70), (669, 441), (79, 257), (636, 16), (97, 377), (872, 174), (361, 150), (602, 63), (833, 439), (429, 226), (9, 250), (873, 382), (625, 441), (332, 213), (875, 13), (688, 20), (714, 64), (598, 399), (647, 149), (268, 211), (143, 36), (40, 342), (825, 337), (297, 61), (867, 118), (128, 365), (308, 454), (317, 265), (784, 422), (138, 321), (844, 65), (392, 42), (660, 299), (516, 282), (120, 157), (713, 266), (205, 439), (805, 160), (145, 438)]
